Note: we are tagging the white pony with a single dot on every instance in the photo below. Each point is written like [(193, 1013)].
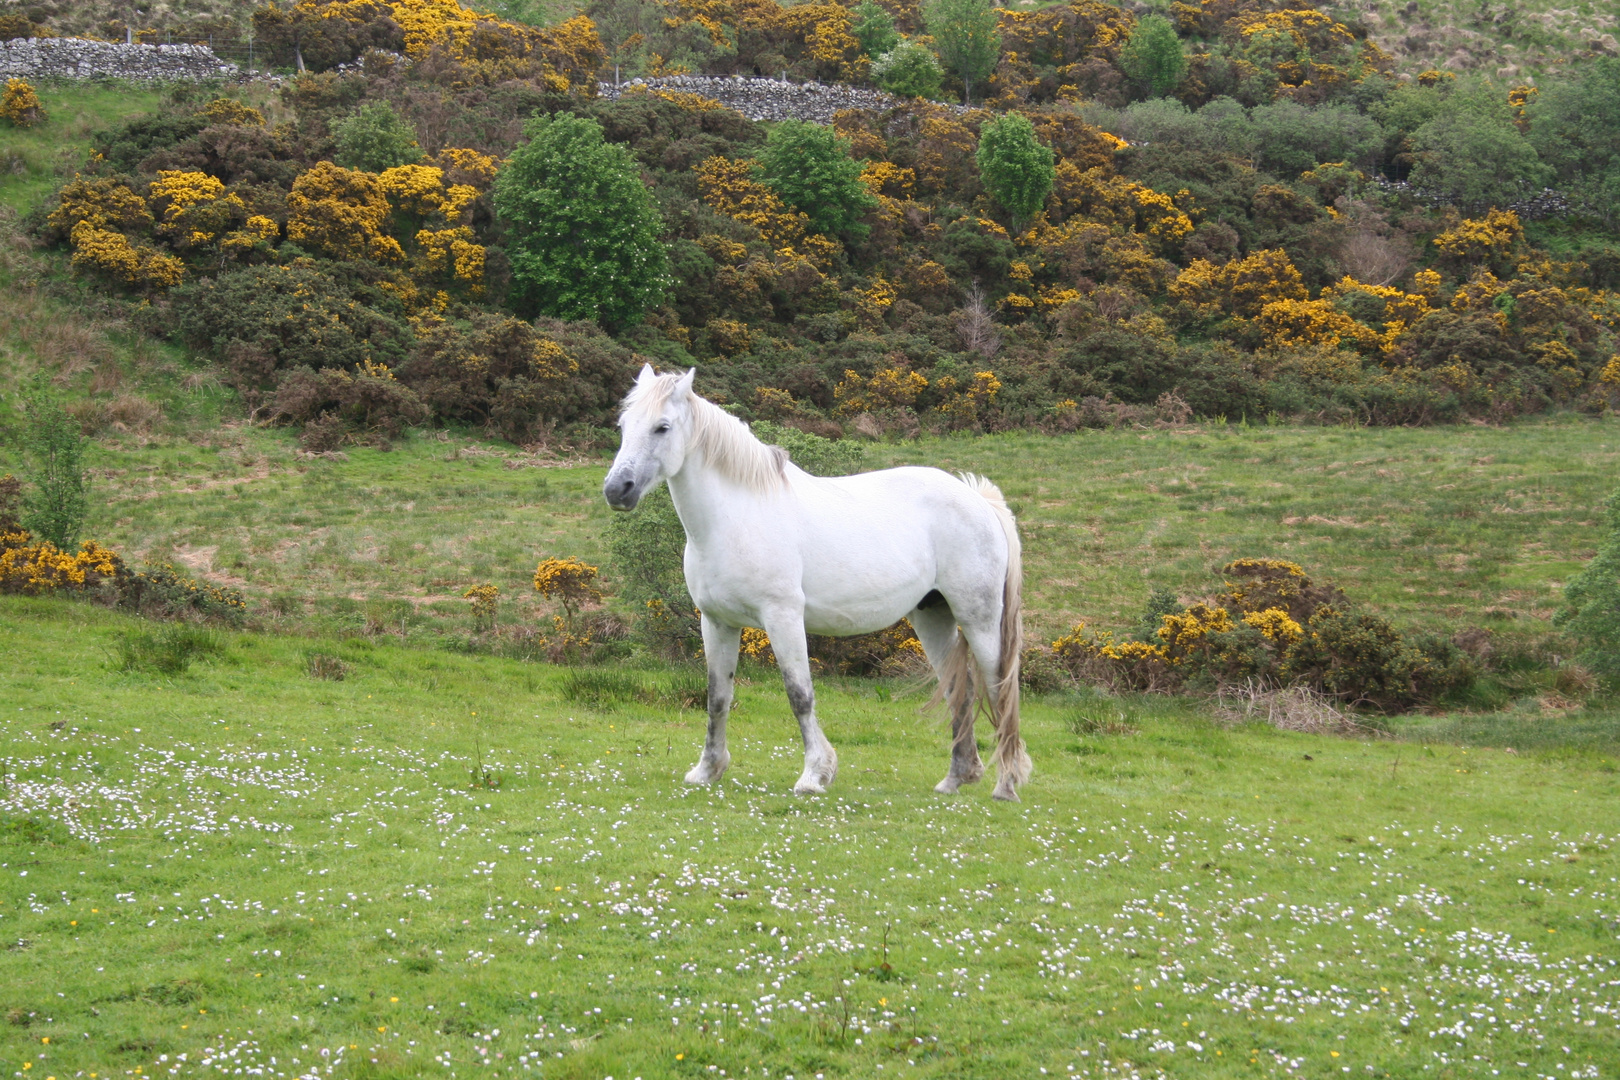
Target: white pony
[(770, 546)]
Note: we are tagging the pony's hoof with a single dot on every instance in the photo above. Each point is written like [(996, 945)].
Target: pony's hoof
[(807, 786), (948, 785), (705, 772), (1005, 793)]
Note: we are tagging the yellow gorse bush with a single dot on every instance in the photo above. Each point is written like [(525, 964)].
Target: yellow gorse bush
[(483, 599), (38, 569), (1275, 624), (571, 582), (20, 106)]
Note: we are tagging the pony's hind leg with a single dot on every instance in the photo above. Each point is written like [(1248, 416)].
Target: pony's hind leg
[(984, 640), (720, 645), (793, 658), (947, 654)]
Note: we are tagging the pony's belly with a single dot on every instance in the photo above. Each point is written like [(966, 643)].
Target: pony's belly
[(843, 621)]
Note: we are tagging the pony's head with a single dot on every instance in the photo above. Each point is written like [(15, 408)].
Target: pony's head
[(663, 424), (655, 425)]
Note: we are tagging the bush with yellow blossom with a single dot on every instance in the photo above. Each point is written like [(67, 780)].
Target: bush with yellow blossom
[(1270, 625)]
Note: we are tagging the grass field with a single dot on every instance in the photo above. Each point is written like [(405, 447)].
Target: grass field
[(35, 161), (441, 865), (1433, 526)]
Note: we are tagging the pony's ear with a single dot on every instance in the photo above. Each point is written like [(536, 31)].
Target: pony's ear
[(684, 386), (647, 374)]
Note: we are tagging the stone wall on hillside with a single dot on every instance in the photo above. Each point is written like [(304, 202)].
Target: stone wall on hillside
[(765, 99), (77, 58)]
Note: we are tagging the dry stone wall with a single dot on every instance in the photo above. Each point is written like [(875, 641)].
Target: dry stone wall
[(765, 99), (77, 58)]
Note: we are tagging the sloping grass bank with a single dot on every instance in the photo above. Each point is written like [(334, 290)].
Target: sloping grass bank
[(1433, 527)]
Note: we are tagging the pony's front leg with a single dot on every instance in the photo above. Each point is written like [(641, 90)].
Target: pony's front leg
[(793, 657), (720, 644)]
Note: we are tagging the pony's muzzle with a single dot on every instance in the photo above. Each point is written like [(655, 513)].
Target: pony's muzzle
[(621, 493)]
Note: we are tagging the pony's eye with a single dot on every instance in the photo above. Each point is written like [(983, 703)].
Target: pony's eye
[(660, 429)]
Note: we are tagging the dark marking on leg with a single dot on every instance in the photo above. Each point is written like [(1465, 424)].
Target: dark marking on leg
[(801, 697)]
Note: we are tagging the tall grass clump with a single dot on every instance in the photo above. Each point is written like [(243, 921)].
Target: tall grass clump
[(166, 650)]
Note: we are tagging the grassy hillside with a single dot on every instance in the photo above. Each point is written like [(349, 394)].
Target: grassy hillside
[(442, 864), (1437, 526), (1466, 35)]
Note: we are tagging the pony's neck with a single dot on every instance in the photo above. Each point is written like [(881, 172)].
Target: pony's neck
[(700, 495)]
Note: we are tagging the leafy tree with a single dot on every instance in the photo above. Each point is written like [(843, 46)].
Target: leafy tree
[(909, 70), (966, 35), (874, 29), (1153, 56), (55, 508), (584, 240), (1017, 169), (1290, 138), (1575, 127), (374, 138), (1473, 152), (1592, 599), (809, 168)]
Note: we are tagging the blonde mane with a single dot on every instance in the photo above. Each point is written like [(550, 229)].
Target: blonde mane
[(724, 441)]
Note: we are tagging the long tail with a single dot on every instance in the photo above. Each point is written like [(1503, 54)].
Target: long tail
[(1013, 766)]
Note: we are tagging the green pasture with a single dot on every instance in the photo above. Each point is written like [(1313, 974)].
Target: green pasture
[(35, 161), (441, 865), (1434, 527)]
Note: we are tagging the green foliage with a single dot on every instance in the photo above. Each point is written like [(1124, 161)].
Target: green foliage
[(584, 233), (1575, 127), (1017, 168), (1474, 153), (874, 28), (646, 549), (809, 168), (1153, 57), (374, 138), (910, 69), (968, 39), (516, 378), (814, 454), (372, 401), (262, 320), (55, 507), (166, 650), (126, 146), (163, 592), (1592, 600)]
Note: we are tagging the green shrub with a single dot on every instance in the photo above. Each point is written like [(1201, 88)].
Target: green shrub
[(1592, 600), (168, 650), (265, 319), (54, 449), (1152, 56), (1017, 168), (374, 138), (371, 399), (163, 592), (814, 454), (874, 28), (645, 548), (810, 168), (516, 378), (909, 69)]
